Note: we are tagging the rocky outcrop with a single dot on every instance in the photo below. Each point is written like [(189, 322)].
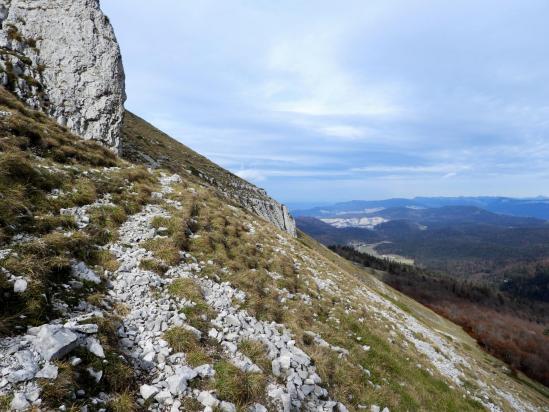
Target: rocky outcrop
[(260, 203), (143, 143), (61, 56)]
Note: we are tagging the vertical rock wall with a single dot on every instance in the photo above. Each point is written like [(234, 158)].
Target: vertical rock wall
[(61, 56)]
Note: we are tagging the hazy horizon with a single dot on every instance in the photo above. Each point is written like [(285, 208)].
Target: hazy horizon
[(318, 101), (312, 204)]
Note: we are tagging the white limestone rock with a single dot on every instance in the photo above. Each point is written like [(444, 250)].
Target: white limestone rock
[(227, 406), (82, 81), (20, 285), (257, 407), (27, 367), (33, 393), (176, 384), (207, 399), (93, 345), (19, 402), (81, 271), (53, 341), (95, 374), (205, 371), (163, 397), (49, 371), (147, 391)]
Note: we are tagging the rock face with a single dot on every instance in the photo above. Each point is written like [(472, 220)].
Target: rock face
[(260, 203), (143, 143), (61, 56)]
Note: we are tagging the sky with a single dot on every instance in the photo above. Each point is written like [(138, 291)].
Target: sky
[(325, 101)]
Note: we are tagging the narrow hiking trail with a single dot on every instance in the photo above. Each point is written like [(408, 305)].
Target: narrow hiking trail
[(150, 311)]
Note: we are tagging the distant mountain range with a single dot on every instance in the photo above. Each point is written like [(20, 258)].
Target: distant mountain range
[(537, 207), (439, 233)]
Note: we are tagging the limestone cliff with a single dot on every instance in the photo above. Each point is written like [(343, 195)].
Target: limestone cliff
[(141, 142), (61, 56)]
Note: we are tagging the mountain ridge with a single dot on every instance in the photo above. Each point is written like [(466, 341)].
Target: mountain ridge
[(537, 207)]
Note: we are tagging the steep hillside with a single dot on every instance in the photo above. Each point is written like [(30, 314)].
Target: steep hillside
[(143, 143), (129, 288)]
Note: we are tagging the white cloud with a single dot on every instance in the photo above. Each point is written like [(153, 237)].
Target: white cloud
[(346, 132), (447, 169), (394, 96)]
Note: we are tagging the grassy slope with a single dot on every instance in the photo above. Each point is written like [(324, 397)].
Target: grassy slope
[(315, 289), (36, 157), (393, 366)]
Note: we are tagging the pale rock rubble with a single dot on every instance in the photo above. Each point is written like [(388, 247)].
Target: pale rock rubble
[(28, 357), (151, 314)]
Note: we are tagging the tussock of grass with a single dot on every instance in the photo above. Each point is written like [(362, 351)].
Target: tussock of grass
[(154, 265), (199, 315), (123, 402), (238, 387), (59, 390), (256, 351), (5, 401), (163, 249), (121, 309), (197, 357), (104, 259), (186, 288), (191, 405), (181, 340)]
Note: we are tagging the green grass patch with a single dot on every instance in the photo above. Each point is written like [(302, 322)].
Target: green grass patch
[(238, 387), (186, 288), (163, 249), (256, 351)]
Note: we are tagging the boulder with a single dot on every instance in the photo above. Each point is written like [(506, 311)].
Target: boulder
[(80, 84), (19, 402), (147, 391), (54, 341), (20, 285), (49, 371)]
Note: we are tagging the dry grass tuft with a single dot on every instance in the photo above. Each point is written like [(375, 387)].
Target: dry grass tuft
[(239, 387)]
